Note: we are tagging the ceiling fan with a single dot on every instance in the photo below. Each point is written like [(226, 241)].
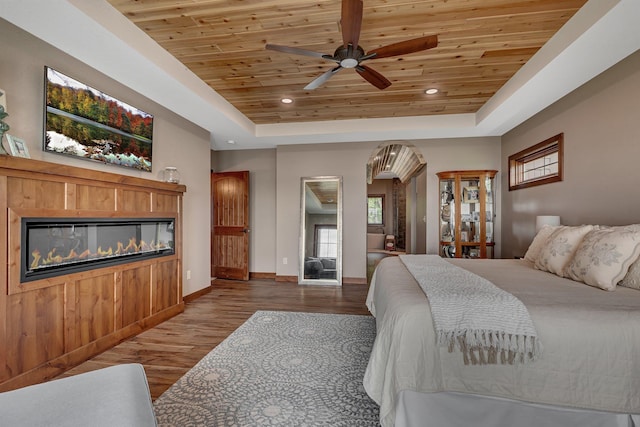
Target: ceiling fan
[(351, 55)]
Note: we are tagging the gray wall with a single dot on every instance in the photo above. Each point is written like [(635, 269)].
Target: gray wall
[(349, 161), (176, 141), (601, 125), (261, 165), (297, 161)]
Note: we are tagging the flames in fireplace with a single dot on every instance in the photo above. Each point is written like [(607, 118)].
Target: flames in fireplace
[(55, 246), (132, 248)]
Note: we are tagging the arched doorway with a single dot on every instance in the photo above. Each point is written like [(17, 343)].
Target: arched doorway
[(396, 186)]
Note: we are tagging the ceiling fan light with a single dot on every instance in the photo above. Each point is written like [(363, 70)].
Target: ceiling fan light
[(349, 63), (431, 91)]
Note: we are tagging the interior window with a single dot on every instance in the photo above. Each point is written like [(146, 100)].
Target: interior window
[(375, 209), (326, 241), (537, 165)]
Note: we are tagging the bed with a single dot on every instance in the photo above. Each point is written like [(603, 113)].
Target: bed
[(588, 373)]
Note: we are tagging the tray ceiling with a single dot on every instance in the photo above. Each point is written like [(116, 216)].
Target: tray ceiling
[(600, 34), (482, 43)]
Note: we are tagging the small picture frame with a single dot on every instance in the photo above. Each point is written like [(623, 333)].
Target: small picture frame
[(470, 195), (17, 147)]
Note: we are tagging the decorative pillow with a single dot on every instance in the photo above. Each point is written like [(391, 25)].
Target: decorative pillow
[(604, 256), (539, 242), (630, 227), (560, 248), (632, 279)]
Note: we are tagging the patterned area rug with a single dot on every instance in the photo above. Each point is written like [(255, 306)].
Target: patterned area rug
[(279, 369)]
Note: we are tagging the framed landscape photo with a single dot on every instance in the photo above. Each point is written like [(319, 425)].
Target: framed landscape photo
[(17, 147), (84, 122)]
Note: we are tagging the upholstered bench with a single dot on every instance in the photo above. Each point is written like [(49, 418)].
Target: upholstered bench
[(114, 396)]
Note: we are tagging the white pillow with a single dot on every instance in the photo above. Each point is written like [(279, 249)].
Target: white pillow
[(630, 227), (632, 278), (560, 248), (604, 256), (539, 241)]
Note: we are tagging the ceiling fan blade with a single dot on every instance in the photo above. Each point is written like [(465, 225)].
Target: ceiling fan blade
[(373, 77), (294, 50), (351, 21), (316, 83), (405, 47)]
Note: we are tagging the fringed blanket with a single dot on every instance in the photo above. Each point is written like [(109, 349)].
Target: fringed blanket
[(486, 323)]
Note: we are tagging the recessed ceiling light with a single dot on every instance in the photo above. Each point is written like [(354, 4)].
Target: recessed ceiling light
[(431, 91), (286, 100), (231, 141)]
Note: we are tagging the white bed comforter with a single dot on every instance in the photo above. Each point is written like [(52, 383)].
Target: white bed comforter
[(591, 340)]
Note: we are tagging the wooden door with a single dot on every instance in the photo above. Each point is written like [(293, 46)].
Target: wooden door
[(230, 225)]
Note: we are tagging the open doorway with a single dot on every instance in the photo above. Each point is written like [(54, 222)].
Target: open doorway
[(396, 202)]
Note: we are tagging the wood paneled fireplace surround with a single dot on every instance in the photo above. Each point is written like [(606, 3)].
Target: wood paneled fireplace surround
[(92, 294)]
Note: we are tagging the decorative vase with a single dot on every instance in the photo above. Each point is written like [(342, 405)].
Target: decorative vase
[(171, 174)]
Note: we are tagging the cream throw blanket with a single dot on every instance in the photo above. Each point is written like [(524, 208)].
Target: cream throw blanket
[(483, 320)]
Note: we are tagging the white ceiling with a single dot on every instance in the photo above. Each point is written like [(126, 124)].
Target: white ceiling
[(601, 34)]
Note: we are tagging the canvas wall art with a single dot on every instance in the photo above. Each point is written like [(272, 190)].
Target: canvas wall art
[(83, 122)]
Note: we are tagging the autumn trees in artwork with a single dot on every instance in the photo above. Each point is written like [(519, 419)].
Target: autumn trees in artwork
[(106, 129)]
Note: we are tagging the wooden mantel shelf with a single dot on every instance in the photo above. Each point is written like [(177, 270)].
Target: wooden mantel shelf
[(32, 166), (52, 324)]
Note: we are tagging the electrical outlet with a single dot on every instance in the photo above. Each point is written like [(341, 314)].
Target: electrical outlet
[(285, 260), (188, 274)]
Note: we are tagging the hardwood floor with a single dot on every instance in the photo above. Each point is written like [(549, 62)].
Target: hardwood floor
[(170, 349)]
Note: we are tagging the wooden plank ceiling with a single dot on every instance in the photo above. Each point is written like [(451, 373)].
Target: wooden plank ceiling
[(482, 43)]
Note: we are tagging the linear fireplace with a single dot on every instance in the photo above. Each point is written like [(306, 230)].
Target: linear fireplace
[(55, 246)]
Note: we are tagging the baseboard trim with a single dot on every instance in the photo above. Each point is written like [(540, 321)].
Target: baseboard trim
[(265, 276), (197, 294), (345, 280), (272, 276), (354, 280)]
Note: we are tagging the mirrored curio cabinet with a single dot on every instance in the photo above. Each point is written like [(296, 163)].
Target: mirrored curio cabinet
[(467, 213)]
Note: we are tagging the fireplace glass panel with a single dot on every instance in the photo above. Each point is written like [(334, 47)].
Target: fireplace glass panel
[(54, 246)]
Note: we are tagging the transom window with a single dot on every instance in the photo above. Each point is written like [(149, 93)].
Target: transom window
[(375, 209), (537, 165)]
